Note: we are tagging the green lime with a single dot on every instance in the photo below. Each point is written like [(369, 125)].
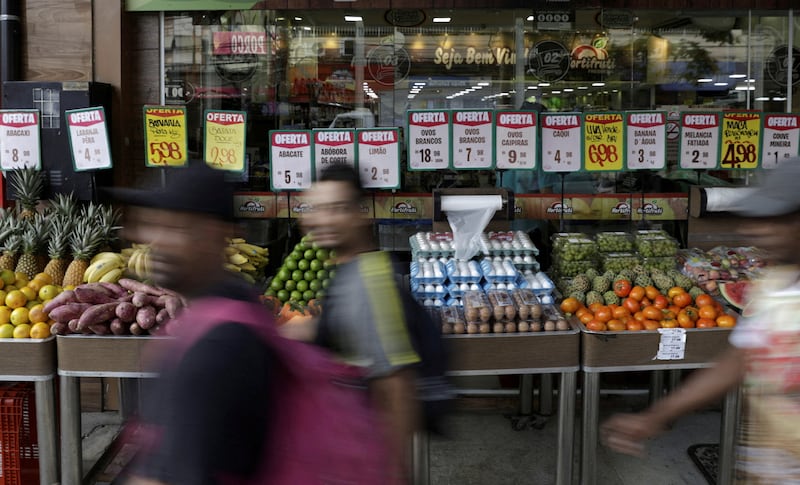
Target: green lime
[(297, 275), (296, 254), (308, 295), (326, 284), (322, 274), (322, 254), (284, 274), (303, 302), (276, 284), (269, 292), (309, 275), (309, 254), (315, 265), (315, 285), (301, 246), (291, 264), (302, 285), (295, 295), (290, 285), (319, 295), (303, 264), (283, 295), (328, 264)]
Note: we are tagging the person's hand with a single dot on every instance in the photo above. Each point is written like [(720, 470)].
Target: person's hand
[(626, 433)]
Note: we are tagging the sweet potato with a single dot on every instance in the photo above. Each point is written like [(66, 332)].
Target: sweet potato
[(134, 286), (171, 303), (146, 317), (66, 296), (97, 314), (162, 316), (59, 328), (100, 329), (118, 327), (126, 312), (73, 326), (115, 289), (87, 294), (143, 299), (68, 311), (136, 329)]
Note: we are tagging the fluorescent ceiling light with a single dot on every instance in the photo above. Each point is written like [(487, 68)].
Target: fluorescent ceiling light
[(615, 90), (544, 85), (298, 18), (530, 18), (306, 28), (556, 92), (737, 76), (583, 87), (441, 20), (484, 84), (762, 98), (598, 84), (745, 88), (353, 18), (720, 84), (779, 99), (533, 87), (568, 90), (751, 80), (704, 80)]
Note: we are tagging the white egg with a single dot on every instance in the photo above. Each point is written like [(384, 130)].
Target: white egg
[(535, 284), (497, 245), (438, 302), (434, 246), (445, 246), (511, 286), (427, 302), (474, 287), (516, 245), (528, 272), (474, 273), (432, 260), (430, 288), (528, 259), (505, 245), (501, 286), (518, 260), (463, 287), (439, 289)]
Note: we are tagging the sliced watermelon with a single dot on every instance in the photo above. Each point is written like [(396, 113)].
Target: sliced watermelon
[(735, 293)]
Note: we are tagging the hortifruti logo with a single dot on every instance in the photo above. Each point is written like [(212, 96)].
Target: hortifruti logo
[(404, 207), (650, 209), (559, 208), (302, 208), (622, 208), (252, 207)]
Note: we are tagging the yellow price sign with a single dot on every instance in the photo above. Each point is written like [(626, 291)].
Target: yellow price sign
[(604, 142), (165, 137), (741, 140), (225, 139)]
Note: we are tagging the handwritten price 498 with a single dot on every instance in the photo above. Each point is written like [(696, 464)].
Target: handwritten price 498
[(162, 152), (602, 153)]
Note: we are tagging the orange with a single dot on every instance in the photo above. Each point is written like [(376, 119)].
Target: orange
[(703, 300), (616, 325), (37, 314), (48, 292), (6, 330), (637, 293), (708, 311), (635, 326), (651, 325), (570, 305), (40, 330), (5, 315), (16, 299), (19, 316), (596, 326), (586, 318), (45, 278), (726, 321), (705, 323), (651, 292), (29, 293), (7, 276), (652, 313), (22, 280), (603, 313), (35, 285), (22, 331)]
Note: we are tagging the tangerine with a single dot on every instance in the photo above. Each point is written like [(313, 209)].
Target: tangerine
[(652, 313), (35, 285), (634, 326), (682, 300), (16, 299), (705, 323), (22, 331), (651, 292), (40, 330), (703, 300), (637, 293), (596, 326), (651, 325), (726, 321), (570, 305), (616, 325), (45, 278), (37, 314), (19, 316), (708, 311), (603, 313), (5, 315), (48, 292), (29, 293)]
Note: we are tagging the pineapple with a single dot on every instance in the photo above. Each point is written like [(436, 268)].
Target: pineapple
[(58, 249), (10, 252), (33, 238), (28, 185), (64, 206), (84, 241), (108, 220)]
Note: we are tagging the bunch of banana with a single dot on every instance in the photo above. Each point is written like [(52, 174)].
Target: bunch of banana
[(106, 267), (138, 260), (246, 259)]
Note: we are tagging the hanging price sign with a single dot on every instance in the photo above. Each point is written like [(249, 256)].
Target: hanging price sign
[(88, 138), (165, 138), (428, 140), (562, 142), (20, 145), (333, 147), (290, 163), (604, 142), (225, 139), (699, 144), (646, 140), (473, 143), (379, 158), (780, 139), (515, 140), (741, 140)]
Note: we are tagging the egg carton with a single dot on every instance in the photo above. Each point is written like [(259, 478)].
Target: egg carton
[(519, 262), (509, 243), (499, 285), (428, 272), (457, 289), (464, 271), (427, 290), (430, 303), (538, 282), (499, 271)]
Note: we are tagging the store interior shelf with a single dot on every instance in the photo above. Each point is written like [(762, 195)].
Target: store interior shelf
[(106, 355), (28, 358)]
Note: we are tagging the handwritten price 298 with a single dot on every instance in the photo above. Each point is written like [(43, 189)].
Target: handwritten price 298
[(222, 156), (162, 152), (602, 153)]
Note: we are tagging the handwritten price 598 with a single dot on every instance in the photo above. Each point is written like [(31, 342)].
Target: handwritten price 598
[(602, 153), (162, 152)]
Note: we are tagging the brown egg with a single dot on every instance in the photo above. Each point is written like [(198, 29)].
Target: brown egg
[(562, 324), (549, 326), (447, 328), (523, 326), (485, 328), (498, 327), (536, 326), (472, 328), (459, 328), (511, 327)]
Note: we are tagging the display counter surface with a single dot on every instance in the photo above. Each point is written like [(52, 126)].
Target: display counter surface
[(107, 356)]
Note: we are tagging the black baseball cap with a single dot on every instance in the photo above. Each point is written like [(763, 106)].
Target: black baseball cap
[(196, 188), (776, 194)]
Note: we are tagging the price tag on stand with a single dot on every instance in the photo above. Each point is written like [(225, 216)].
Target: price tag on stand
[(780, 138), (333, 147), (20, 137), (699, 143), (646, 140), (88, 138), (473, 142), (515, 140), (741, 140), (604, 142), (428, 140), (291, 159), (165, 136), (562, 142), (379, 158), (225, 139)]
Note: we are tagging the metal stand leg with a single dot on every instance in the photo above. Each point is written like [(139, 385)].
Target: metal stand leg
[(46, 429), (674, 379), (128, 397), (591, 402), (71, 452), (727, 439), (421, 458), (656, 385), (546, 395), (566, 428), (526, 394)]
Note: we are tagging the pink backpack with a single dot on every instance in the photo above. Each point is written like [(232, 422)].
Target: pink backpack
[(324, 430)]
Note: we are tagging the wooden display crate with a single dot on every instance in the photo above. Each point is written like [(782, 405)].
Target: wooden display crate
[(639, 349), (99, 355), (514, 352), (28, 357)]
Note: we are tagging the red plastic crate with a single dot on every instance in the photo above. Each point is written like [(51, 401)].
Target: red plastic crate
[(19, 448)]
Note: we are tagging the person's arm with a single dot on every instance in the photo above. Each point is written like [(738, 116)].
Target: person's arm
[(626, 433), (394, 396)]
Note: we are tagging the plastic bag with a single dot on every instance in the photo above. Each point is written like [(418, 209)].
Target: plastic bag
[(467, 226)]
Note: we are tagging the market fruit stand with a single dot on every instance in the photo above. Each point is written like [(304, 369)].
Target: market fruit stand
[(29, 360)]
